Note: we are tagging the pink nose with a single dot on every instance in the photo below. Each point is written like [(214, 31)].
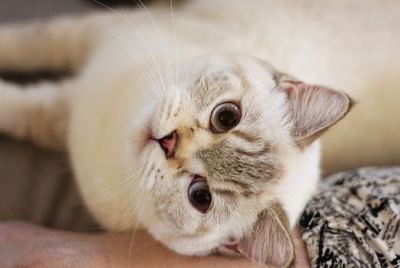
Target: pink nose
[(168, 144)]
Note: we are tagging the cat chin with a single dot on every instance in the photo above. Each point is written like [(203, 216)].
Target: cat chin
[(190, 247), (192, 251), (229, 251)]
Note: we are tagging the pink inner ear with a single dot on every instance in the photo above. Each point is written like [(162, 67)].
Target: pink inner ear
[(299, 88), (268, 243), (314, 108), (290, 85)]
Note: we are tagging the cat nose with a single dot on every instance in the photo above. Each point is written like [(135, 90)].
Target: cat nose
[(168, 143)]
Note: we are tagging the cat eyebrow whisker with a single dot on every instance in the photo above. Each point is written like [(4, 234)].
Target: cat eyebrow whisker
[(161, 36), (140, 35), (148, 74), (176, 40)]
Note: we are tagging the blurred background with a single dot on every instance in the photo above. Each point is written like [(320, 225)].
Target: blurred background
[(37, 185), (20, 10)]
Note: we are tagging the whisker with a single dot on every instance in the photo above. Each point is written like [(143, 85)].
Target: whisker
[(149, 77), (147, 244), (144, 204), (128, 185), (135, 186), (176, 40), (121, 184), (156, 26), (135, 30)]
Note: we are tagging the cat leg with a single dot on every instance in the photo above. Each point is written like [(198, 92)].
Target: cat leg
[(36, 113), (60, 44)]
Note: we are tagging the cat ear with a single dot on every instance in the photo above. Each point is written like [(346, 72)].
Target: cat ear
[(269, 241), (313, 108)]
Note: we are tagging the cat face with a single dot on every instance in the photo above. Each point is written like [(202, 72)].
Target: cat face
[(219, 151)]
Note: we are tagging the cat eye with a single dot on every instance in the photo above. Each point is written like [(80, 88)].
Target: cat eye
[(199, 194), (225, 117)]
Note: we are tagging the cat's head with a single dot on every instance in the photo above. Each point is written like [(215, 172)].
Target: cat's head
[(229, 157)]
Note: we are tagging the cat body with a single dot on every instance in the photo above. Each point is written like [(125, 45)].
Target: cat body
[(135, 83)]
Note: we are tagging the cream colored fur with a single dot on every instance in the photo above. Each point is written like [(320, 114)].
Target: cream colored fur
[(117, 56)]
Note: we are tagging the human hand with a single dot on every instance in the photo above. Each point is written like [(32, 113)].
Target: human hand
[(27, 245)]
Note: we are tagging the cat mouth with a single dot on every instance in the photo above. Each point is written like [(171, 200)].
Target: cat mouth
[(233, 247)]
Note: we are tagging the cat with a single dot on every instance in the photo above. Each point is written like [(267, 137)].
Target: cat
[(177, 120)]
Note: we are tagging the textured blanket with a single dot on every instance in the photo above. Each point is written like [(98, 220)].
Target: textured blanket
[(354, 220)]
